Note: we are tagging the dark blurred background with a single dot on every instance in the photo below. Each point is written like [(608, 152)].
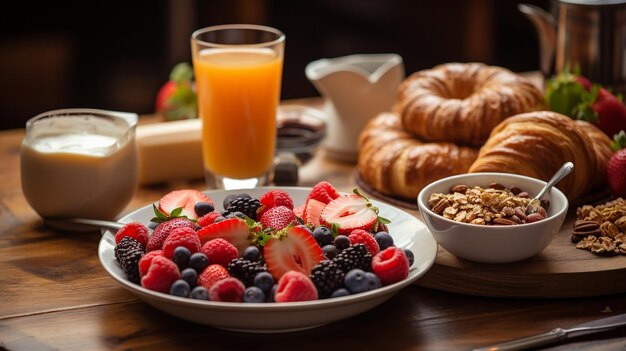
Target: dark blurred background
[(116, 54)]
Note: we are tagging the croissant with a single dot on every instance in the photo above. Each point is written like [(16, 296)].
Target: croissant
[(536, 144), (393, 162), (462, 103)]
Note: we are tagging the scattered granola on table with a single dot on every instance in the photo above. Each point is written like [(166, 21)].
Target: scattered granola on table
[(601, 229), (495, 205)]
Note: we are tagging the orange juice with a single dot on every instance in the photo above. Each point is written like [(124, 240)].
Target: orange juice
[(238, 93)]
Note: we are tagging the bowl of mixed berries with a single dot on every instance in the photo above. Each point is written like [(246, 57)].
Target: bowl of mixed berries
[(267, 259)]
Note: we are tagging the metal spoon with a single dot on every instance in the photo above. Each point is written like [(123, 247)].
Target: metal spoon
[(82, 224), (533, 205)]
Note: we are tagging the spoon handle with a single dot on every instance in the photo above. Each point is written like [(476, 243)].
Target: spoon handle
[(562, 172), (89, 222)]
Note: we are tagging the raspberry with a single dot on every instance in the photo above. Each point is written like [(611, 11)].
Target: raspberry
[(164, 229), (208, 218), (324, 192), (161, 275), (275, 198), (390, 265), (295, 286), (220, 251), (128, 253), (211, 275), (228, 290), (134, 230), (146, 260), (184, 236), (360, 236)]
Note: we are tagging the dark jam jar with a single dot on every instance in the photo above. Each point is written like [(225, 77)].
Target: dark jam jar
[(300, 130)]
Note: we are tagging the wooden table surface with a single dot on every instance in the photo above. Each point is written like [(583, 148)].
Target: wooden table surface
[(54, 295)]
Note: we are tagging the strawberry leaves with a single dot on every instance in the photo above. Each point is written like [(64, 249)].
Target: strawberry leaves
[(564, 93), (177, 98), (160, 217), (381, 219), (619, 141)]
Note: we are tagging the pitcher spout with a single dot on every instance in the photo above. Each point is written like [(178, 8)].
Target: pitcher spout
[(545, 24)]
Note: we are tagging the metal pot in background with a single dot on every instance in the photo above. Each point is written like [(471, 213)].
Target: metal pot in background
[(585, 34)]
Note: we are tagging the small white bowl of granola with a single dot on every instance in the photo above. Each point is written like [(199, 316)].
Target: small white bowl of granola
[(481, 216)]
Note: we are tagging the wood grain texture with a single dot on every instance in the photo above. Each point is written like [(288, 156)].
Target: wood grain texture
[(55, 296)]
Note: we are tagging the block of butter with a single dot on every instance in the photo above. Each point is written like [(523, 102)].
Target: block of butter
[(169, 151)]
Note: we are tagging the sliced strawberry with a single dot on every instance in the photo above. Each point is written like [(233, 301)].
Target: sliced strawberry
[(277, 218), (185, 199), (233, 230), (295, 250), (312, 211), (349, 212)]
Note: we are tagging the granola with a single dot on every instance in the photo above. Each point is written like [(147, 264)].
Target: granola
[(495, 205), (601, 229)]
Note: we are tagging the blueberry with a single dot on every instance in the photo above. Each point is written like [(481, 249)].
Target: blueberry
[(340, 292), (219, 219), (201, 208), (270, 297), (152, 225), (373, 281), (330, 251), (253, 294), (342, 242), (199, 262), (251, 253), (409, 256), (264, 281), (180, 288), (384, 240), (199, 293), (181, 257), (190, 276), (323, 236), (356, 281)]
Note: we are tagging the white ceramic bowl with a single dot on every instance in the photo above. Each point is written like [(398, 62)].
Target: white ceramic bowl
[(407, 231), (493, 243)]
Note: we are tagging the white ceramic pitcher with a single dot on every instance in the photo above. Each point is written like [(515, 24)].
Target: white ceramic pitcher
[(355, 88)]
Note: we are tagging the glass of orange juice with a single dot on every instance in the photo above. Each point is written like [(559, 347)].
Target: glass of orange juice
[(238, 70)]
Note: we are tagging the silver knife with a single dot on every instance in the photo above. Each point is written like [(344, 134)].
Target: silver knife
[(559, 334)]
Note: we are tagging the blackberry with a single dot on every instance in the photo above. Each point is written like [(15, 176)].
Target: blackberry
[(245, 270), (128, 252), (354, 257), (327, 277), (246, 206)]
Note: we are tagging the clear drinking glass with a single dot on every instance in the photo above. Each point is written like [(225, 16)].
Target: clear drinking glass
[(238, 71), (79, 163)]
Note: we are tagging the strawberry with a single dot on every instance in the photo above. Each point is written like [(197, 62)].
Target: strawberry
[(295, 286), (299, 211), (176, 99), (292, 249), (211, 275), (233, 230), (277, 218), (228, 290), (208, 218), (312, 211), (185, 199), (616, 168), (324, 192), (134, 230), (164, 229), (220, 251), (161, 274), (349, 212), (577, 97), (390, 265)]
